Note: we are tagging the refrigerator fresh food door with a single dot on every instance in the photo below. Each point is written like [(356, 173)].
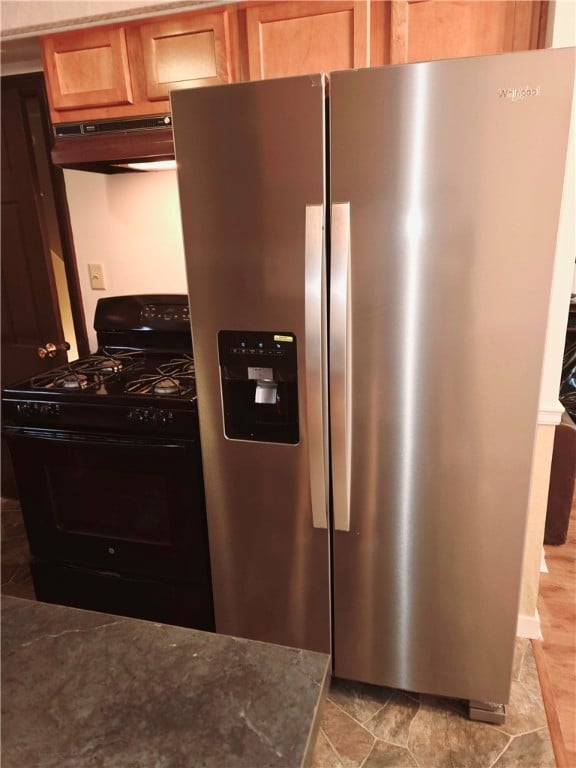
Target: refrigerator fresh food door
[(251, 173), (446, 180)]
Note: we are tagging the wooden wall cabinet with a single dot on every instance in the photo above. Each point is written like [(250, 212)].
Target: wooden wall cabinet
[(289, 38), (128, 70), (425, 30), (298, 38), (186, 52), (88, 68)]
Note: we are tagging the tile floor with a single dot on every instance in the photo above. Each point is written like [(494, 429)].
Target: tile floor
[(367, 726), (376, 727), (15, 573)]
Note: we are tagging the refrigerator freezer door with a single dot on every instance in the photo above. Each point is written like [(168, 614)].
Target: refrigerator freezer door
[(251, 173), (453, 171)]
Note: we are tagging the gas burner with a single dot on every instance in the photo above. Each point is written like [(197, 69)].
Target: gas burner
[(174, 378), (72, 377), (113, 361), (109, 365), (167, 386), (160, 384), (71, 381)]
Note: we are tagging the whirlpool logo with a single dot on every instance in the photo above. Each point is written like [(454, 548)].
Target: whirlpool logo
[(519, 94)]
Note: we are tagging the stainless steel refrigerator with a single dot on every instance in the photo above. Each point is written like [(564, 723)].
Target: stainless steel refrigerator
[(369, 258)]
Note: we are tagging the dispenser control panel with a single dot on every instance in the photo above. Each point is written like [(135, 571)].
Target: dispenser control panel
[(259, 375), (258, 344)]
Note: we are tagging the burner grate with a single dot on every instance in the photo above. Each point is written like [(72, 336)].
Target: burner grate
[(90, 372), (179, 367)]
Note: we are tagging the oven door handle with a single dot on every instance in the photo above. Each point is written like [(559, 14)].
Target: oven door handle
[(75, 438)]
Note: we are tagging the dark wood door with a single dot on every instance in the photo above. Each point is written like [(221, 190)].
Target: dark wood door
[(30, 313), (30, 231)]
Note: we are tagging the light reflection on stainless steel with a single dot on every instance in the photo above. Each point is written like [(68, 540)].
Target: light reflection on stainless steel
[(410, 328)]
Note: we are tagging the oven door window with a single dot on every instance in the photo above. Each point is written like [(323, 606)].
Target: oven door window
[(124, 502), (121, 504)]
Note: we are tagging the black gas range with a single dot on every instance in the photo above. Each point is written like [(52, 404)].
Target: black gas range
[(107, 459)]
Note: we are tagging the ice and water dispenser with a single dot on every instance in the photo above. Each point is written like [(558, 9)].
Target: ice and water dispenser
[(259, 376)]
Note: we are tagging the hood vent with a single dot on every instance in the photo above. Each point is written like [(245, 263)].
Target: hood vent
[(113, 126), (102, 145)]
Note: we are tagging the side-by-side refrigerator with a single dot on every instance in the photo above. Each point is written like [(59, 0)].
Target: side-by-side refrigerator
[(369, 258)]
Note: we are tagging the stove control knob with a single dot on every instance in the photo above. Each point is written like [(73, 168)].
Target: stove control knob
[(25, 409), (162, 417), (138, 415)]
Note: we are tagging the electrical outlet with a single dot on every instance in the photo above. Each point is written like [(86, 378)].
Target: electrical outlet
[(96, 277)]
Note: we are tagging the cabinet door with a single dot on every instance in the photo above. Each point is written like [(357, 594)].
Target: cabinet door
[(185, 52), (423, 30), (298, 38), (87, 69)]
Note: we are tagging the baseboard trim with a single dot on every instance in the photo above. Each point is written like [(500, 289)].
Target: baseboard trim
[(550, 413), (529, 626)]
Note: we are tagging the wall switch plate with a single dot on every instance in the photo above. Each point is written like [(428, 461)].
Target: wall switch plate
[(96, 277)]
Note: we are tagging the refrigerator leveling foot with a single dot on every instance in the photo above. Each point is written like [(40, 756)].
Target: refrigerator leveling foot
[(487, 711)]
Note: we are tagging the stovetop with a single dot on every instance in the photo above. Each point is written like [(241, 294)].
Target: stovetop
[(119, 388), (127, 391), (117, 373)]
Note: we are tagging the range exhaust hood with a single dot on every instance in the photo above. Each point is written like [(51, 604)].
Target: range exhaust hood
[(114, 146)]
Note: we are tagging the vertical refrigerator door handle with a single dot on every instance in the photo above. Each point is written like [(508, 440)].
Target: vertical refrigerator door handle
[(314, 331), (340, 364)]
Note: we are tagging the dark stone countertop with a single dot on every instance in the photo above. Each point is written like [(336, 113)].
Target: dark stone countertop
[(88, 690)]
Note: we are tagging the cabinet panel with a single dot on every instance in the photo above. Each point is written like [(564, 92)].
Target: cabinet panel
[(185, 52), (88, 69), (296, 38), (424, 30)]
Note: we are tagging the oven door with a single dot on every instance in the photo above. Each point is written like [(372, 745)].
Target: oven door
[(124, 504)]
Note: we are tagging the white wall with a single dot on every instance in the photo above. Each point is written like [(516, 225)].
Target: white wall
[(561, 33), (129, 223)]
